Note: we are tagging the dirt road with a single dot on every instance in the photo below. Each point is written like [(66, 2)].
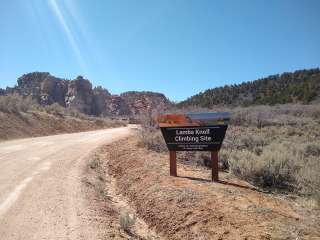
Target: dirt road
[(40, 185)]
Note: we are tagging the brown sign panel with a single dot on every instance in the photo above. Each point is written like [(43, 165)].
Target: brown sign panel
[(194, 131)]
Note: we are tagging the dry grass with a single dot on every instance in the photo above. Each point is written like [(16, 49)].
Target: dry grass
[(58, 110), (23, 117), (35, 124), (126, 221), (282, 162), (272, 147), (16, 103), (275, 167), (192, 207), (152, 139)]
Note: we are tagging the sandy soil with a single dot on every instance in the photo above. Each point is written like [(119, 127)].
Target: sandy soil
[(192, 207), (42, 193)]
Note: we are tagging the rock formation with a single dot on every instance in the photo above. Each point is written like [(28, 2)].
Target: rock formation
[(142, 102), (79, 94), (101, 100), (42, 87)]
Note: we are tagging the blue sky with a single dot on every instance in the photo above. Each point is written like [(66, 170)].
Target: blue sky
[(178, 47)]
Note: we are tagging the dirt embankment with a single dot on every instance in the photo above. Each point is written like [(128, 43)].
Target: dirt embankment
[(34, 124), (116, 218), (192, 207)]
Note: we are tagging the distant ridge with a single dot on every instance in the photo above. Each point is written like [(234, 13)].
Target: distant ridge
[(301, 86), (80, 95)]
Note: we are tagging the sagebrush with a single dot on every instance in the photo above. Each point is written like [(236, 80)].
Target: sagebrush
[(275, 147)]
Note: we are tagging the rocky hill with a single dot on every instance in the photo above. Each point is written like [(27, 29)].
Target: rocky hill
[(140, 102), (300, 86), (79, 94)]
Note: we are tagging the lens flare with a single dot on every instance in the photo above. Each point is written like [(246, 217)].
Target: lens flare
[(70, 36)]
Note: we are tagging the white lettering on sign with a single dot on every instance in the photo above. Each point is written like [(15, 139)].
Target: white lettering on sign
[(205, 139), (202, 131), (195, 139), (186, 139), (185, 132), (193, 132)]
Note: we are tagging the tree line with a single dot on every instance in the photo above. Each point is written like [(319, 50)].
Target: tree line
[(301, 86)]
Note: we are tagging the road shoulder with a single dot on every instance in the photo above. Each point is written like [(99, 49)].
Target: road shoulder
[(192, 207)]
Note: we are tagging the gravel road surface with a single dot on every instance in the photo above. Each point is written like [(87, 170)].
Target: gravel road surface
[(40, 185)]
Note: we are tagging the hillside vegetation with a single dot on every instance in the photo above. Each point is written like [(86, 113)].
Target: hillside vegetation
[(22, 117), (273, 147), (190, 206), (298, 87)]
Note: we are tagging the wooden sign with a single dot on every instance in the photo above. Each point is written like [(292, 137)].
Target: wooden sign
[(194, 138), (194, 132)]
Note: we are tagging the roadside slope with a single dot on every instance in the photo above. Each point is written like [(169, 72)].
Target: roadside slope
[(34, 124), (192, 207)]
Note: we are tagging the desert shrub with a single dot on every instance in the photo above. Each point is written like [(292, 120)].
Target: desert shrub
[(147, 119), (251, 116), (55, 109), (243, 163), (298, 110), (75, 113), (275, 147), (276, 167), (94, 163), (224, 156), (150, 135), (152, 139), (99, 122), (249, 141), (308, 179), (198, 158), (126, 221), (284, 164), (204, 158), (262, 116), (312, 149), (17, 103)]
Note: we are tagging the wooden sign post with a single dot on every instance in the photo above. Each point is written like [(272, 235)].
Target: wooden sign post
[(194, 132), (214, 163), (173, 163), (215, 166)]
